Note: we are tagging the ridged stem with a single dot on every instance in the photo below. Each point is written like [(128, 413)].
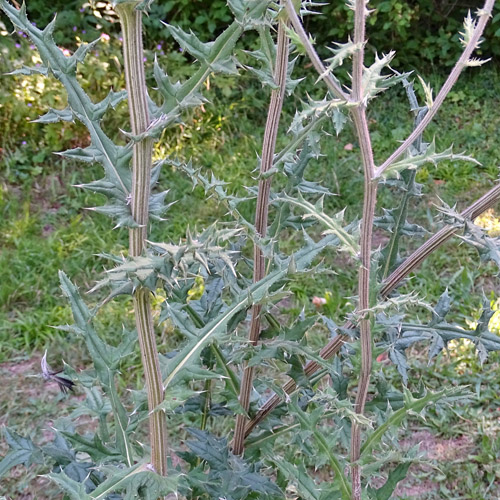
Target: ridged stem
[(261, 218), (131, 22), (369, 203)]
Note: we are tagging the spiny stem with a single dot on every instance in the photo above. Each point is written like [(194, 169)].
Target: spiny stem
[(131, 22), (313, 56), (369, 203), (484, 15), (261, 216)]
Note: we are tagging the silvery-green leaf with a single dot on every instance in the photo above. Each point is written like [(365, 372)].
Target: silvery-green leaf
[(94, 448), (172, 92), (297, 474), (442, 308), (89, 154), (389, 221), (333, 225), (119, 212), (398, 357), (395, 476), (24, 70), (229, 475), (80, 54), (374, 82), (295, 170), (213, 56), (339, 120), (110, 101), (341, 52), (74, 489), (106, 360), (55, 115), (488, 247), (412, 405), (429, 156)]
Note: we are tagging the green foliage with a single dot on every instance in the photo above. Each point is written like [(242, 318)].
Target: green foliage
[(422, 31), (227, 472)]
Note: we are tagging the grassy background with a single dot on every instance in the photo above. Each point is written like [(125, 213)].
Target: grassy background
[(44, 227)]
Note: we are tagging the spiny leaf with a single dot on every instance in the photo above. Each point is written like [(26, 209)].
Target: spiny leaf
[(191, 43), (429, 156), (402, 335), (80, 54), (298, 474), (374, 82), (306, 7), (24, 70), (75, 489), (337, 464), (102, 149), (313, 110), (22, 451), (55, 115), (170, 264), (172, 93), (215, 55), (488, 247), (333, 224), (249, 13), (131, 481), (389, 222), (106, 360), (295, 170), (429, 99), (229, 475), (306, 126), (265, 55), (470, 25), (395, 476), (114, 159), (398, 303), (341, 52), (412, 405), (94, 448), (339, 119), (442, 308), (110, 101)]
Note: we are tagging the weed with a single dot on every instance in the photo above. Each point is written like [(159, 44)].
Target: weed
[(204, 283)]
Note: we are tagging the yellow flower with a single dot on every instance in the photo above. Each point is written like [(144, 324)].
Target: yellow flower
[(197, 289)]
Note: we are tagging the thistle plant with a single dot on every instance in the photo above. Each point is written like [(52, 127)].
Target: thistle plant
[(211, 283)]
